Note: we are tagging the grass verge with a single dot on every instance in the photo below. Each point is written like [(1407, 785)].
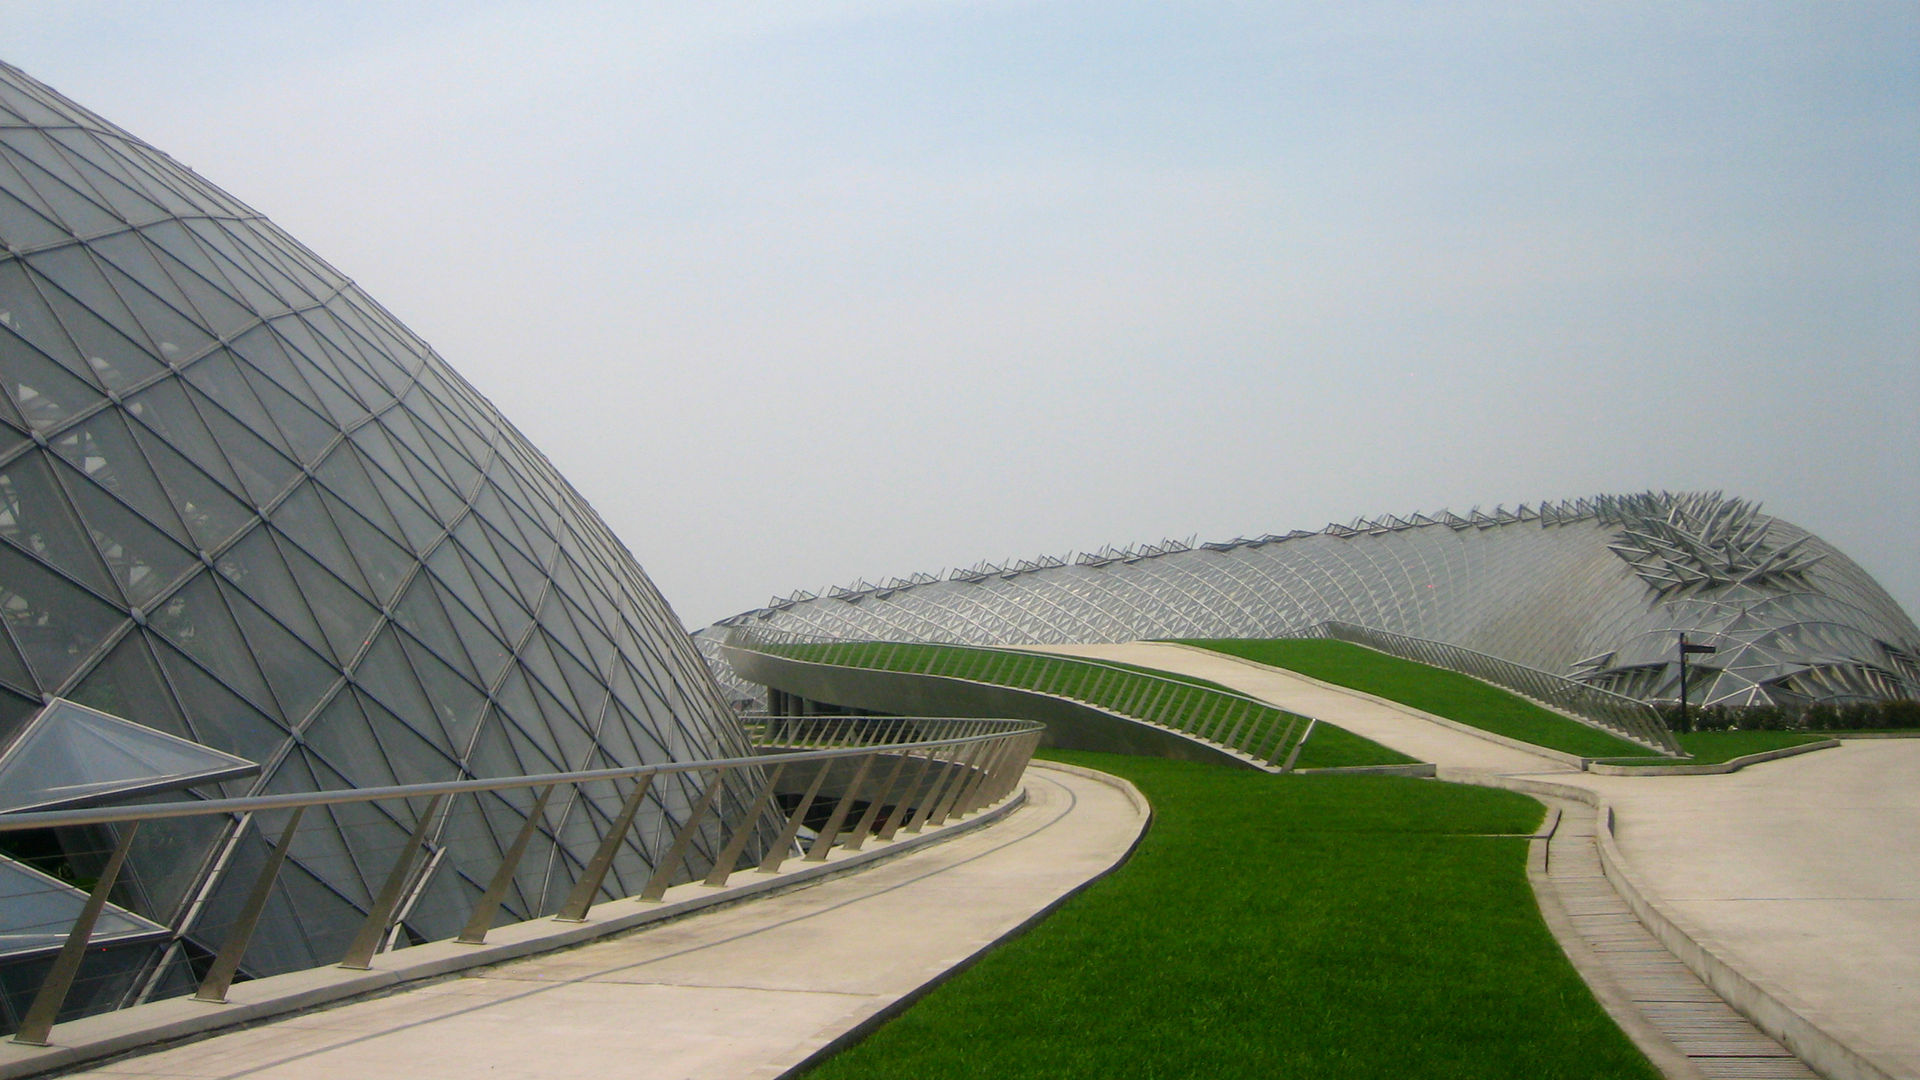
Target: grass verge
[(1349, 926), (1444, 693), (1714, 747)]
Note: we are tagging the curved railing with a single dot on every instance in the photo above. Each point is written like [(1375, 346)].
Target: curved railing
[(892, 775), (1268, 737), (1616, 714)]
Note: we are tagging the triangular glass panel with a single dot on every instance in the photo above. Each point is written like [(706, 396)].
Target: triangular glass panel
[(81, 215), (305, 431), (385, 674), (220, 718), (263, 348), (39, 912), (102, 450), (125, 202), (343, 475), (143, 559), (303, 518), (195, 618), (482, 644), (455, 701), (57, 624), (26, 314), (419, 612), (218, 377), (23, 227), (186, 293), (262, 469), (415, 759), (128, 683), (212, 515), (114, 359), (298, 676), (173, 238), (13, 672), (217, 239), (255, 566), (173, 332), (34, 515), (344, 614), (384, 563), (72, 756), (343, 734)]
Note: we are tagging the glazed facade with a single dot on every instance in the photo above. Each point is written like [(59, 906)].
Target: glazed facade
[(242, 505), (1595, 589)]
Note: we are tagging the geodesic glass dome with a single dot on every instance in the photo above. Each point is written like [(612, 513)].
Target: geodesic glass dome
[(242, 505)]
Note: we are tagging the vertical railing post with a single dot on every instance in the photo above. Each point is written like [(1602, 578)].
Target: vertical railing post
[(580, 900), (481, 920), (226, 963), (38, 1022), (823, 841), (864, 827), (777, 854), (656, 886), (723, 866), (367, 942)]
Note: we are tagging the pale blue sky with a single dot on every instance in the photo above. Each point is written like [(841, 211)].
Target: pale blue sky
[(800, 293)]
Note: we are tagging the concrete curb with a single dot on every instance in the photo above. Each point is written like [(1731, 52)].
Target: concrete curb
[(1761, 1002), (1601, 768), (1418, 768), (146, 1027), (901, 1004)]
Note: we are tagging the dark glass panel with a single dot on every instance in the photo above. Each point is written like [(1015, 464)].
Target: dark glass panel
[(344, 614), (277, 945), (55, 623), (78, 212), (384, 563), (385, 675), (303, 518), (323, 918), (576, 742), (343, 734), (22, 226), (344, 476), (13, 671), (600, 647), (26, 313), (196, 619), (507, 612), (420, 614), (514, 699), (215, 236), (590, 692), (262, 348), (143, 559), (453, 463), (489, 655), (451, 571), (212, 516), (218, 377), (378, 362), (255, 566), (35, 516), (323, 356), (325, 848), (297, 675), (124, 201), (166, 860), (536, 657), (127, 684), (173, 332), (173, 238), (219, 717), (262, 469), (115, 359), (401, 426), (182, 290), (526, 577), (104, 452), (455, 701), (415, 760)]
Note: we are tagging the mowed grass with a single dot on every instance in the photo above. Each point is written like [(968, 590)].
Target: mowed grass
[(1304, 926), (1430, 689), (1714, 747)]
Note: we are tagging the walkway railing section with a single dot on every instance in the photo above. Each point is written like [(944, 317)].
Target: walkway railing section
[(1616, 714), (1271, 737), (891, 776)]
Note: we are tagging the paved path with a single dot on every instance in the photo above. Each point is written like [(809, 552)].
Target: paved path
[(739, 992), (1802, 873)]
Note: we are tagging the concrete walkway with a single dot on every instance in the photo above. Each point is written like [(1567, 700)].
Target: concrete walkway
[(748, 991), (1803, 874)]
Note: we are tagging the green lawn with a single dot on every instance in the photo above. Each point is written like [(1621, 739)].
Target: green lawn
[(1300, 926), (1435, 690), (1714, 747)]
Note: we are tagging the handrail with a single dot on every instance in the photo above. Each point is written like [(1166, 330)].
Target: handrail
[(1616, 714), (959, 766), (1225, 719)]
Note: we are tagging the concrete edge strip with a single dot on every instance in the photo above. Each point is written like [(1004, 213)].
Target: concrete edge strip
[(1632, 1020), (1418, 768), (880, 1016), (159, 1023), (1759, 1002), (1508, 741), (1601, 768)]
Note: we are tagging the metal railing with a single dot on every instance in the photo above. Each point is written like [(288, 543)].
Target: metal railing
[(1616, 714), (889, 776), (1271, 737)]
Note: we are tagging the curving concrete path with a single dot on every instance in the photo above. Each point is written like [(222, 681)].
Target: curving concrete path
[(752, 990), (1803, 873)]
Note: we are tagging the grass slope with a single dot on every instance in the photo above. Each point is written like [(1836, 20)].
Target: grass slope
[(1430, 689), (1714, 747), (1277, 927)]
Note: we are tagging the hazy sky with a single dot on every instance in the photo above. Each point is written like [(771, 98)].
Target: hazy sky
[(801, 292)]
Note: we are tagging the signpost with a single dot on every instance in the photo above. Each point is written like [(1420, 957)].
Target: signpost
[(1686, 649)]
